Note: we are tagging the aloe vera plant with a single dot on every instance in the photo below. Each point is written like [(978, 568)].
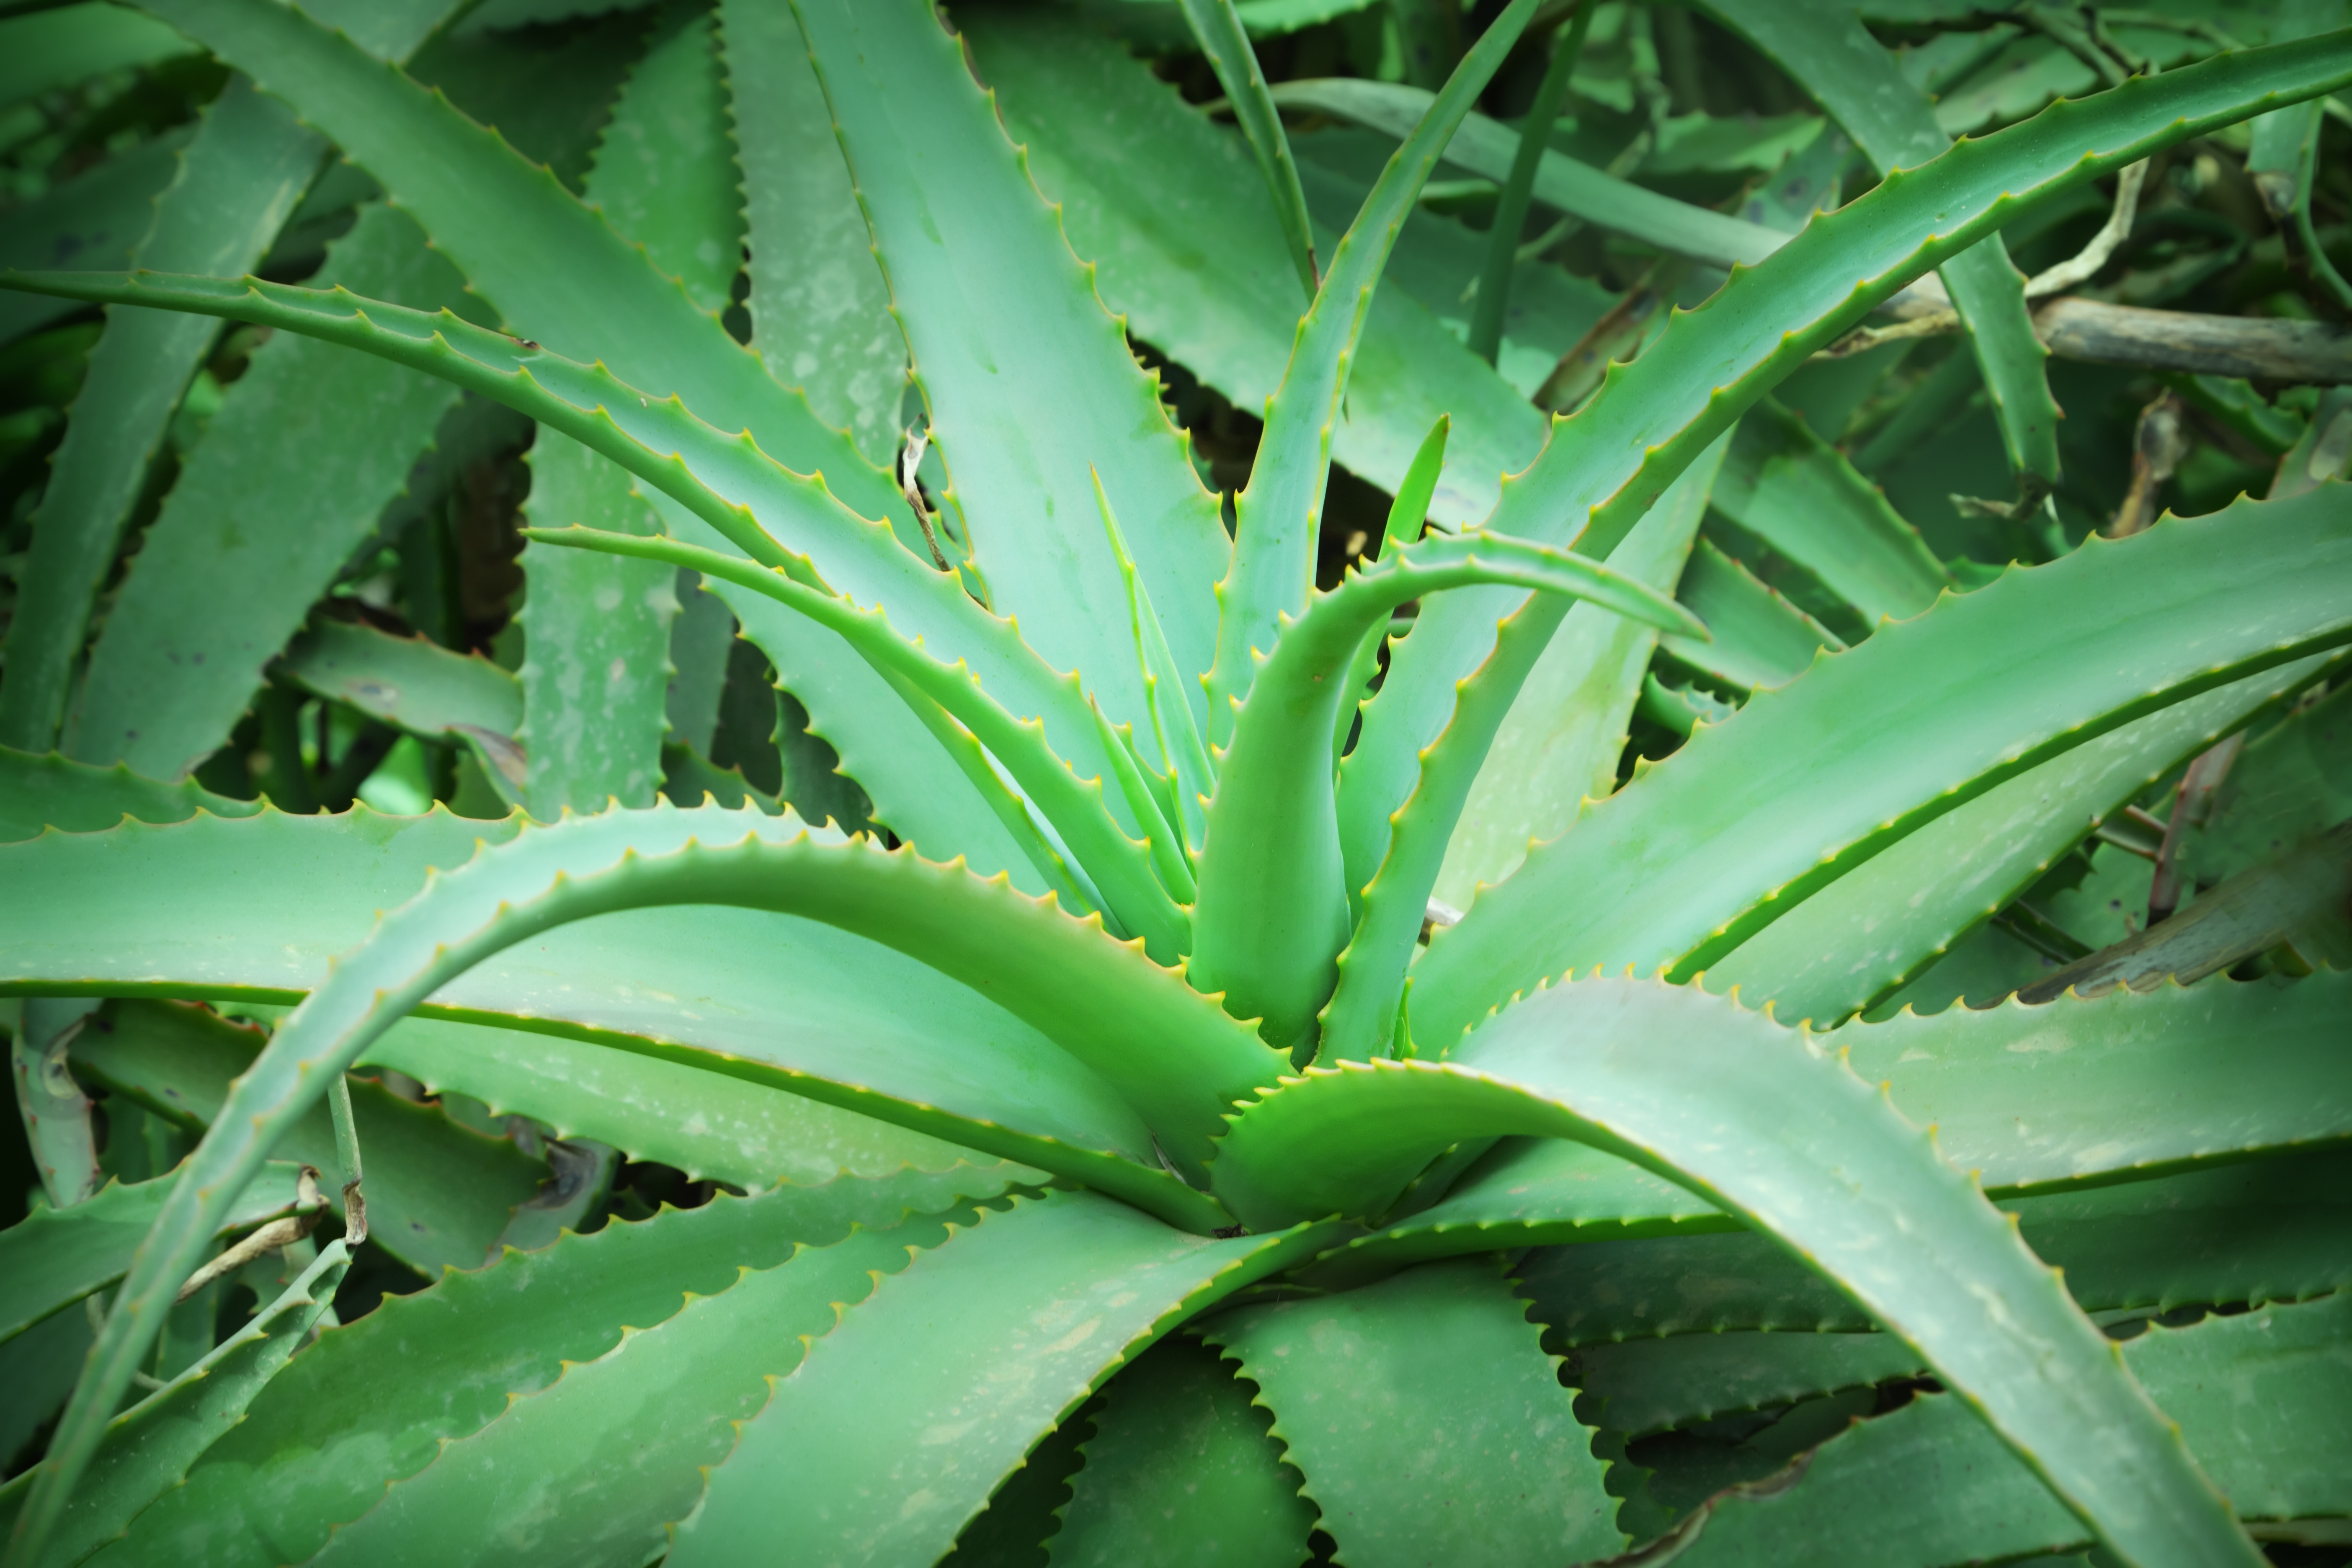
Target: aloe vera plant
[(1254, 1028)]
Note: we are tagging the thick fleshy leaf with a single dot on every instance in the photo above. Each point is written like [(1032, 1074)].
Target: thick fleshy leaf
[(1225, 41), (590, 1469), (1063, 1289), (2027, 1098), (1277, 517), (1760, 638), (1607, 465), (1032, 389), (701, 1123), (438, 1193), (53, 790), (1768, 1128), (820, 307), (1872, 929), (416, 687), (2260, 1399), (239, 177), (1179, 1465), (1165, 204), (727, 482), (1366, 1014), (1273, 908), (1860, 84), (776, 999), (318, 1448), (1427, 1420), (310, 447), (55, 1256), (95, 218), (1564, 731), (1137, 885), (1927, 715), (499, 218), (148, 1447), (1799, 494)]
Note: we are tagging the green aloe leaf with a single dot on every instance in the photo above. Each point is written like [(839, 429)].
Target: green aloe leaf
[(2235, 1232), (96, 217), (1760, 638), (416, 687), (1799, 494), (1363, 1016), (2285, 1362), (777, 1000), (745, 1134), (591, 1468), (1486, 147), (1873, 929), (498, 216), (1179, 1467), (2179, 1068), (2295, 902), (318, 1448), (595, 632), (1784, 1136), (1224, 40), (148, 1447), (60, 48), (1123, 869), (1273, 910), (820, 306), (438, 1193), (1277, 516), (1165, 202), (310, 447), (1063, 1290), (727, 484), (239, 177), (1641, 1386), (1926, 702), (1605, 466), (53, 790), (1028, 394), (1426, 1417), (1862, 85), (55, 1256)]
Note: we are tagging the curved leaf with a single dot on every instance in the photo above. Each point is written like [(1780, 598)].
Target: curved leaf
[(318, 1448), (1029, 381), (1873, 929), (2285, 1362), (499, 217), (1768, 1128), (1121, 867), (260, 909), (2028, 1098), (55, 791), (707, 1126), (1855, 79), (309, 447), (1165, 202), (1427, 1420), (727, 482), (1178, 1467), (1760, 638), (591, 1468), (892, 1434), (1226, 44), (1606, 465), (53, 1258), (1273, 909), (439, 1192), (1704, 850), (1277, 516), (418, 688)]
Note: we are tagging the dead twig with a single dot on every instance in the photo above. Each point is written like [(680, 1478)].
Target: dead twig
[(309, 1205), (910, 458), (2191, 807), (2157, 445)]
